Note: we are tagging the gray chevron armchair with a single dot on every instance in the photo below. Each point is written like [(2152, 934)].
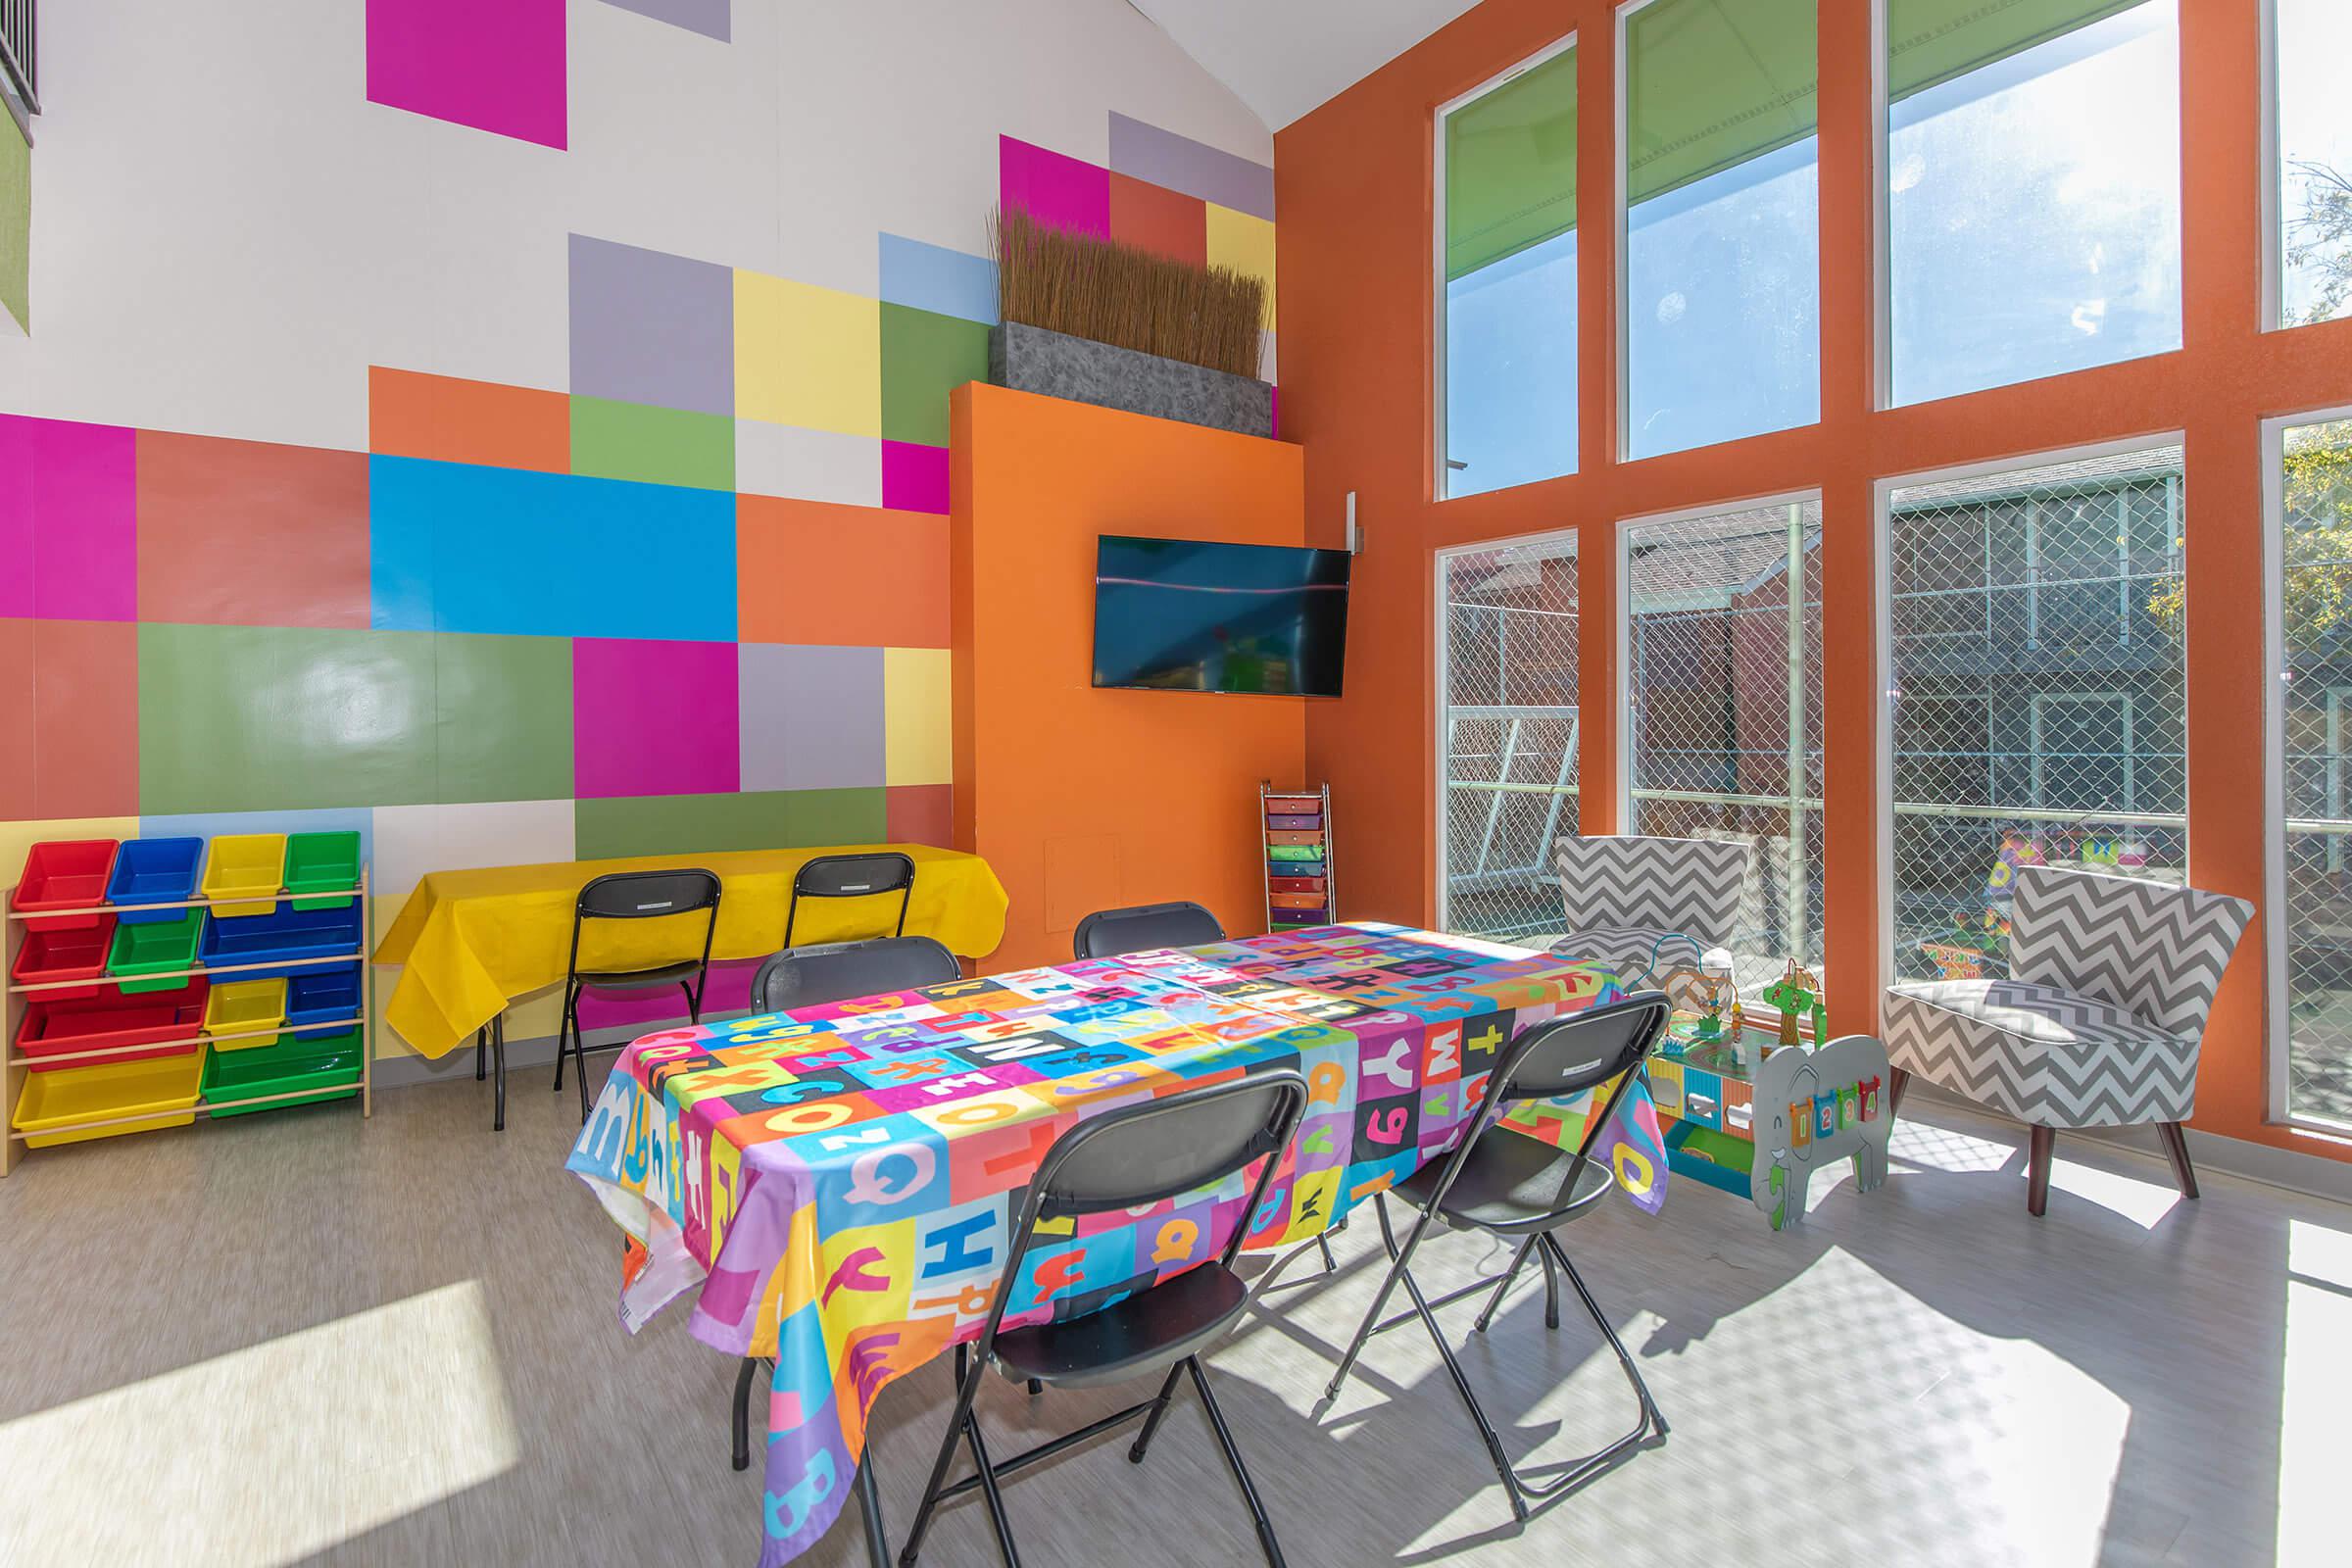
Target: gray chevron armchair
[(1645, 904), (2100, 1022)]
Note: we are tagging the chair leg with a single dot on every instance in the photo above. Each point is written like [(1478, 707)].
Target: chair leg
[(563, 1036), (1551, 1289), (2037, 1165), (968, 1378), (1036, 1388), (1502, 1286), (579, 1064), (1160, 1407), (481, 1038), (2175, 1147), (1632, 1370), (1331, 1264), (693, 1007), (991, 1493), (1399, 1259), (1233, 1459), (1898, 1080), (743, 1412), (1461, 1386), (498, 1054)]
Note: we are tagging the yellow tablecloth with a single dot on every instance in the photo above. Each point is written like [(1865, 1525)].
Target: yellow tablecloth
[(474, 941)]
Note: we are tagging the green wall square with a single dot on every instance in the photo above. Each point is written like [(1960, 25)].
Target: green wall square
[(759, 819), (502, 717), (657, 446), (925, 356), (255, 718)]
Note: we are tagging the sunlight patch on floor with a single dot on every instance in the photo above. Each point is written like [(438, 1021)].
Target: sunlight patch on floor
[(2142, 1199), (1926, 1148), (2318, 1370), (269, 1453)]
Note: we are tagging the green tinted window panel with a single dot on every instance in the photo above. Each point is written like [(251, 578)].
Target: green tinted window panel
[(1511, 166), (1933, 41), (1712, 84)]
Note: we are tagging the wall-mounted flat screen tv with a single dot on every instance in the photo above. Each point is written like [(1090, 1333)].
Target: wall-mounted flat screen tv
[(1187, 616)]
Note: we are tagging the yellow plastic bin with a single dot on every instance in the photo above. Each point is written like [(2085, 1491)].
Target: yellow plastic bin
[(154, 1093), (245, 865), (254, 1008)]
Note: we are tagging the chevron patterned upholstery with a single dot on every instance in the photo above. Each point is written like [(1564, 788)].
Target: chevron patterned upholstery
[(1626, 895), (2101, 1021)]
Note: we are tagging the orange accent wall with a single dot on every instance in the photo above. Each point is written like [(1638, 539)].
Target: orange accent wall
[(1083, 799), (1352, 181)]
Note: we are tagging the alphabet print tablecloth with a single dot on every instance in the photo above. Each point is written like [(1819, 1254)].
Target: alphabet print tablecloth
[(833, 1183)]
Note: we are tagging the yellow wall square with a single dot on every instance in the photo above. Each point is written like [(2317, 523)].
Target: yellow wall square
[(1245, 243), (807, 355), (917, 716)]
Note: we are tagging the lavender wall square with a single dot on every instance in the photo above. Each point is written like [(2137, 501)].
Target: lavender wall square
[(811, 717), (1179, 163), (651, 328), (713, 18)]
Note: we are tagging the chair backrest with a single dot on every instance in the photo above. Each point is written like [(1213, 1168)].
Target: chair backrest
[(854, 876), (1107, 933), (1688, 885), (1159, 1149), (2149, 948), (837, 971), (645, 895)]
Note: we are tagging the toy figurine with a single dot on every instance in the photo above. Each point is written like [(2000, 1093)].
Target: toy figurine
[(1798, 992)]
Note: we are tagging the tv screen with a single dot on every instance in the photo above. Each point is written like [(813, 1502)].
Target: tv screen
[(1185, 616)]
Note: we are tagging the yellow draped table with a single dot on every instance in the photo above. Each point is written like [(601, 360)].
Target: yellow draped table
[(475, 941)]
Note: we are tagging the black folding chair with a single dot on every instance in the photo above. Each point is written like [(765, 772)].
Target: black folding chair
[(633, 895), (1515, 1187), (853, 876), (1126, 1159), (1107, 933)]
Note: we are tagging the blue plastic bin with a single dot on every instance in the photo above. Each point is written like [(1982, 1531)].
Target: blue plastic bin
[(154, 871), (321, 996), (268, 940)]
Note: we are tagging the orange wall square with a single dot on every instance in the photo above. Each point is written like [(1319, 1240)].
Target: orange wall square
[(813, 571), (411, 415), (247, 534), (1159, 219), (18, 782), (86, 726)]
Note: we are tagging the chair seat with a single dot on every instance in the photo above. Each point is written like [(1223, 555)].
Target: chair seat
[(668, 974), (1509, 1185), (1148, 1332), (2047, 1056), (1632, 950)]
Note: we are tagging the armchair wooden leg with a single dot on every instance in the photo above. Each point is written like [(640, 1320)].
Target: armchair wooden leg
[(2037, 1183), (1898, 1080), (2175, 1147)]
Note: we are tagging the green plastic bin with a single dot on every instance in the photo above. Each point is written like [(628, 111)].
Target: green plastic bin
[(322, 863), (329, 1066), (159, 947)]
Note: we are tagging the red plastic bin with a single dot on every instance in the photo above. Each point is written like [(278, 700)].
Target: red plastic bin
[(64, 874), (50, 956), (170, 1021)]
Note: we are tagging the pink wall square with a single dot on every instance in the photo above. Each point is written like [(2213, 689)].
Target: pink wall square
[(652, 718), (497, 68), (68, 520), (1053, 187), (914, 477)]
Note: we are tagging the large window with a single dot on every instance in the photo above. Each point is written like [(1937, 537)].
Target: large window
[(1507, 629), (2314, 610), (1722, 296), (1507, 259), (2034, 188), (2039, 682), (2314, 161), (1724, 712)]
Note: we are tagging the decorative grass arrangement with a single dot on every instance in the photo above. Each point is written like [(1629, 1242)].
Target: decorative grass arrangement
[(1090, 287)]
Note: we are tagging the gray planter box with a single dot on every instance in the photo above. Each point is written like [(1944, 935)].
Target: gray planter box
[(1030, 359)]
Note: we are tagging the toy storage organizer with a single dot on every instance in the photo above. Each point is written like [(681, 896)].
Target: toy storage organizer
[(154, 981), (1296, 827)]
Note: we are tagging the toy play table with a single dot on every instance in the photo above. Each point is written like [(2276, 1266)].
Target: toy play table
[(1752, 1116)]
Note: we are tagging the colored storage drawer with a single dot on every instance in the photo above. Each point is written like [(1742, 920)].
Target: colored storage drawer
[(270, 939), (53, 957), (254, 1008), (167, 1023), (1293, 840), (1296, 851), (322, 863), (154, 871), (1312, 869), (165, 952), (64, 874), (1289, 917), (248, 868), (1716, 1159), (331, 1067), (1292, 805), (157, 1094), (322, 996), (1296, 901), (1293, 822), (1295, 884)]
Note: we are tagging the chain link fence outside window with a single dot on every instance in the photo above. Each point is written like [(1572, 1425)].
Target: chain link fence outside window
[(1723, 729), (2316, 606), (2037, 621), (1511, 735)]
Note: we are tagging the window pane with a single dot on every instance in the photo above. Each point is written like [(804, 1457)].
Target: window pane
[(2036, 641), (1724, 725), (2033, 208), (1723, 260), (1509, 413), (2314, 592), (1509, 633), (2315, 160)]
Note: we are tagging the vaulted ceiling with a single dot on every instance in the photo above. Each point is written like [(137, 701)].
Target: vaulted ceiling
[(1284, 57)]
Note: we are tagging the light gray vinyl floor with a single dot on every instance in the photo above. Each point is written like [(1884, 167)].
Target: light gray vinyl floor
[(303, 1338)]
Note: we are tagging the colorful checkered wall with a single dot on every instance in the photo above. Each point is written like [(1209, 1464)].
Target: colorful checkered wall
[(541, 455)]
